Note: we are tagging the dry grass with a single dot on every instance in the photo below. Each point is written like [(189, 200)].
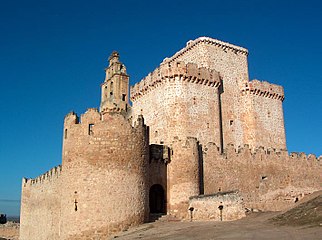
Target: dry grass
[(305, 214)]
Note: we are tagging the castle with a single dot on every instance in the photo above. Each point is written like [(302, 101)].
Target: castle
[(200, 141)]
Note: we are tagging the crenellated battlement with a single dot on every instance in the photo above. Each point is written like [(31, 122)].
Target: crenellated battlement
[(240, 152), (210, 41), (53, 173), (264, 89), (93, 116), (176, 70), (71, 118)]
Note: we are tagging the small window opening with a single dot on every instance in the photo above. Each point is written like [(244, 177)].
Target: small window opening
[(264, 177), (90, 129), (123, 97), (231, 122), (65, 134), (111, 93)]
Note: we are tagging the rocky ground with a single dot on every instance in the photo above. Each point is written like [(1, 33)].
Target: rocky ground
[(9, 231)]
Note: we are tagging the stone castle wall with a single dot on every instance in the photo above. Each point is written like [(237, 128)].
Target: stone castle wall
[(179, 100), (208, 207), (262, 115), (231, 63), (183, 176), (40, 214), (268, 180), (105, 171), (239, 114)]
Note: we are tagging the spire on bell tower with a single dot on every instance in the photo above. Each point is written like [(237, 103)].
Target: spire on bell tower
[(115, 88)]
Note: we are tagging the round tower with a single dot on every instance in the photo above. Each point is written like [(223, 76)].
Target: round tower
[(104, 167)]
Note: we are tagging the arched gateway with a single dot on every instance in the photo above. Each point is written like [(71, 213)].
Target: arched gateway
[(157, 199)]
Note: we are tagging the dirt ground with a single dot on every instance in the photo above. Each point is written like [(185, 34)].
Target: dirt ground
[(255, 226), (302, 221), (9, 230)]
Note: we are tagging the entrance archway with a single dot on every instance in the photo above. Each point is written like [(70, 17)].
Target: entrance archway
[(157, 199)]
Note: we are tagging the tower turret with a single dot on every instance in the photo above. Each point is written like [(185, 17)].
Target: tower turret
[(115, 87)]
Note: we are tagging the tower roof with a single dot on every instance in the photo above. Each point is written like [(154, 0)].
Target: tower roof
[(114, 57)]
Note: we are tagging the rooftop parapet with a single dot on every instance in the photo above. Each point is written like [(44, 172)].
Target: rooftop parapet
[(169, 71), (264, 89), (207, 40)]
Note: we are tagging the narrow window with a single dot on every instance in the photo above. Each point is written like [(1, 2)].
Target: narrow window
[(90, 129), (105, 91), (123, 97), (264, 177), (111, 89), (65, 134), (231, 122)]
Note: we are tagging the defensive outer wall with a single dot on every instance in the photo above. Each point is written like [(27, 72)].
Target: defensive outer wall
[(105, 163), (198, 136)]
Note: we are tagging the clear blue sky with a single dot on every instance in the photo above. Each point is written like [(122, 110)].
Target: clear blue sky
[(53, 54)]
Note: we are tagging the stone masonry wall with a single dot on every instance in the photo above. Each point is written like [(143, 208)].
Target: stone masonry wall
[(183, 176), (206, 207), (178, 102), (40, 214), (231, 63), (263, 115), (268, 180), (105, 175), (243, 118)]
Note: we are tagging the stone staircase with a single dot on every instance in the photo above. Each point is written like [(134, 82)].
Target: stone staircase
[(161, 217)]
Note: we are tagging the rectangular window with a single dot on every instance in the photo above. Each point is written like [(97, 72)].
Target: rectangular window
[(90, 129), (123, 97)]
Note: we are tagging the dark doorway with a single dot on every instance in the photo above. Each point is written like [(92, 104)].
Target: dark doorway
[(156, 199)]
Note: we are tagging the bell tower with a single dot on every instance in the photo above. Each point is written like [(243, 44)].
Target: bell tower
[(115, 89)]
